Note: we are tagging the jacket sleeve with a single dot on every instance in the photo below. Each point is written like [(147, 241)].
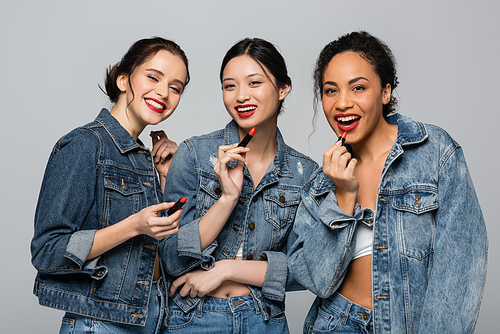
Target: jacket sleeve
[(458, 273), (320, 254), (181, 252), (59, 246)]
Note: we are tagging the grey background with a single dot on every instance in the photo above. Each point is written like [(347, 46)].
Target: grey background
[(54, 53)]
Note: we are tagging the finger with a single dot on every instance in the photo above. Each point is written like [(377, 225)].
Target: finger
[(158, 134), (177, 283)]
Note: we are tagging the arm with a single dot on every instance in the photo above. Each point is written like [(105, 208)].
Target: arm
[(196, 239), (320, 254), (458, 273), (66, 199), (198, 283)]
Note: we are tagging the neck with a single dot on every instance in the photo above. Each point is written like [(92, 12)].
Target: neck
[(121, 114), (378, 143)]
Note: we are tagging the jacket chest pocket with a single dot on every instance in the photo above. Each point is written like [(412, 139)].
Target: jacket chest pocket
[(122, 196), (208, 193), (415, 222), (280, 205)]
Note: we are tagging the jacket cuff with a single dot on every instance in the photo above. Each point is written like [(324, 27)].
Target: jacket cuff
[(332, 216), (276, 275), (79, 246), (189, 244)]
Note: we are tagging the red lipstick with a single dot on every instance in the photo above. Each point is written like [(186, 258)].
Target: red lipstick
[(158, 110), (176, 206), (342, 138), (347, 125), (247, 113), (244, 142)]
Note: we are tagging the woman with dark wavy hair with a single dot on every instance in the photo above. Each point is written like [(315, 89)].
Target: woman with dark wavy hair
[(389, 234), (99, 213)]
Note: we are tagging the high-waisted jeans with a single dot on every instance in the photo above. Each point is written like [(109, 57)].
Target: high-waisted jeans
[(338, 314), (223, 315), (75, 323)]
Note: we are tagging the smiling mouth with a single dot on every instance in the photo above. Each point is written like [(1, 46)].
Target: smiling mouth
[(245, 109), (155, 104), (347, 120)]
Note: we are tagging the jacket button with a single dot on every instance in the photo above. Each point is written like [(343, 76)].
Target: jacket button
[(124, 187), (282, 198), (251, 226), (218, 190), (369, 221), (249, 256), (255, 198), (268, 310)]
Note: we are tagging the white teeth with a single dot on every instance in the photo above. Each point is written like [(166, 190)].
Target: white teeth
[(246, 109), (154, 104), (347, 118)]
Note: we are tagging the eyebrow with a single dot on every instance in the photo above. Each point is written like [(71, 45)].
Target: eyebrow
[(350, 82), (161, 73), (248, 76)]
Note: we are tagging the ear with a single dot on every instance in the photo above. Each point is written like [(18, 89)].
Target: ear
[(122, 82), (283, 91), (386, 94)]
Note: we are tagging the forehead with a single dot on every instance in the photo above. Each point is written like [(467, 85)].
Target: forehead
[(347, 65), (242, 66)]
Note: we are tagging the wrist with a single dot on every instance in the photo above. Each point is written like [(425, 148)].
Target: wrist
[(225, 268)]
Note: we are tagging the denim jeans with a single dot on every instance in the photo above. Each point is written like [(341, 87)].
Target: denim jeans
[(338, 314), (75, 323), (223, 315)]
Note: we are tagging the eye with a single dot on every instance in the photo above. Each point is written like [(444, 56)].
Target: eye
[(255, 83), (358, 88), (176, 90), (228, 87), (330, 91), (153, 78)]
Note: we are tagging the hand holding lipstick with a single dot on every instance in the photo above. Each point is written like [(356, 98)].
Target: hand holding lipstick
[(339, 167)]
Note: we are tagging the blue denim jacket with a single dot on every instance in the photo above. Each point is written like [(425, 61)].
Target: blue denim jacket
[(429, 243), (262, 218), (97, 175)]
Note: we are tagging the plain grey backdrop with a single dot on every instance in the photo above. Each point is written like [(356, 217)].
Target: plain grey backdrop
[(54, 54)]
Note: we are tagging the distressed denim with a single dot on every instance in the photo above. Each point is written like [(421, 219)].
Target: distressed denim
[(262, 218), (429, 244), (339, 315), (96, 176)]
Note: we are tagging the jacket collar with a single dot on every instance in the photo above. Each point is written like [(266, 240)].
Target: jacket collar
[(281, 159), (122, 139), (409, 131)]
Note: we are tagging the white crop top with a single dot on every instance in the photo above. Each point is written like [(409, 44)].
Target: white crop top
[(364, 240), (240, 250)]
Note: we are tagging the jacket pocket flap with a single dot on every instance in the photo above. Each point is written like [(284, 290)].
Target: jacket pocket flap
[(124, 184), (416, 201)]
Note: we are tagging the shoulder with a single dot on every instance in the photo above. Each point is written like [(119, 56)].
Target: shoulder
[(319, 184), (82, 140)]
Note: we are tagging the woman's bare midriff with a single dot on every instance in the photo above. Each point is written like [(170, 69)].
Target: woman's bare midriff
[(230, 289), (357, 284)]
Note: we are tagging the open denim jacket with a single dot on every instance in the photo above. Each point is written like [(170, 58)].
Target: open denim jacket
[(262, 218), (97, 175), (429, 244)]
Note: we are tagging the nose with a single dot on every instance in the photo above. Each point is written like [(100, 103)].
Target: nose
[(162, 92), (344, 101), (242, 95)]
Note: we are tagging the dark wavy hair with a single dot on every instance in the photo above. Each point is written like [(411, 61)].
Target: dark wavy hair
[(266, 55), (370, 48), (139, 53)]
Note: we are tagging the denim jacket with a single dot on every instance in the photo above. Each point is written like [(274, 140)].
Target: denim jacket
[(429, 243), (97, 175), (262, 218)]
